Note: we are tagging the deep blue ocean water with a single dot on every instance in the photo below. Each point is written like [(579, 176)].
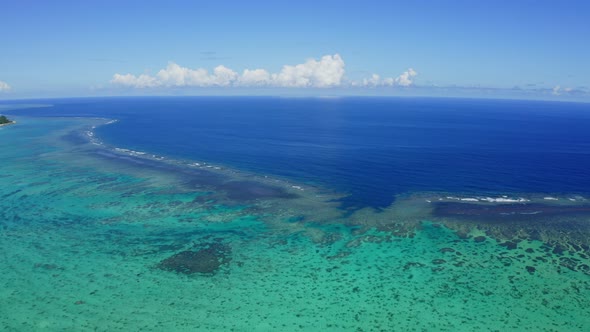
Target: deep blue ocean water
[(371, 148)]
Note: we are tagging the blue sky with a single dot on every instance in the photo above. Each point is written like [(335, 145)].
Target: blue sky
[(528, 49)]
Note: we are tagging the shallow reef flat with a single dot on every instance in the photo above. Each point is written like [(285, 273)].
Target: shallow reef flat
[(102, 240)]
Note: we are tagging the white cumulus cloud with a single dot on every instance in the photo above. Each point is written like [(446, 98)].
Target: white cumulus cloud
[(324, 73), (404, 79), (4, 86), (141, 81), (558, 90), (254, 77), (175, 75), (223, 76), (376, 80), (328, 71)]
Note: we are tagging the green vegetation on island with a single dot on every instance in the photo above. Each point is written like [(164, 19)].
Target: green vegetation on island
[(4, 120)]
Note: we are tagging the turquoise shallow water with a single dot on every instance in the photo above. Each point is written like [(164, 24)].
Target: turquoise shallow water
[(87, 237)]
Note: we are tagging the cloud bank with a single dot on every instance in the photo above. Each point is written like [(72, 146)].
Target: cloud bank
[(558, 90), (4, 86), (405, 79), (326, 72)]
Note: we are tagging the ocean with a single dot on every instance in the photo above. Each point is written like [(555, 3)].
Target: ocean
[(295, 214), (369, 148)]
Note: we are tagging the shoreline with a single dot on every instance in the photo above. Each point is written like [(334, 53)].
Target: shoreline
[(8, 124)]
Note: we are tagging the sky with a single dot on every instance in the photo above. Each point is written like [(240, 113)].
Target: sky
[(504, 49)]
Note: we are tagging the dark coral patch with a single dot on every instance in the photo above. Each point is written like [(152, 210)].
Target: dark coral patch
[(506, 213), (409, 265), (509, 245), (208, 260), (558, 249), (570, 263), (479, 239), (252, 190)]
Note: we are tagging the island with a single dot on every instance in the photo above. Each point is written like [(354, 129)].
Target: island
[(5, 121)]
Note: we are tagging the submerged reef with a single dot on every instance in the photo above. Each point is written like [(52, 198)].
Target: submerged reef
[(561, 223), (207, 260), (561, 226)]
